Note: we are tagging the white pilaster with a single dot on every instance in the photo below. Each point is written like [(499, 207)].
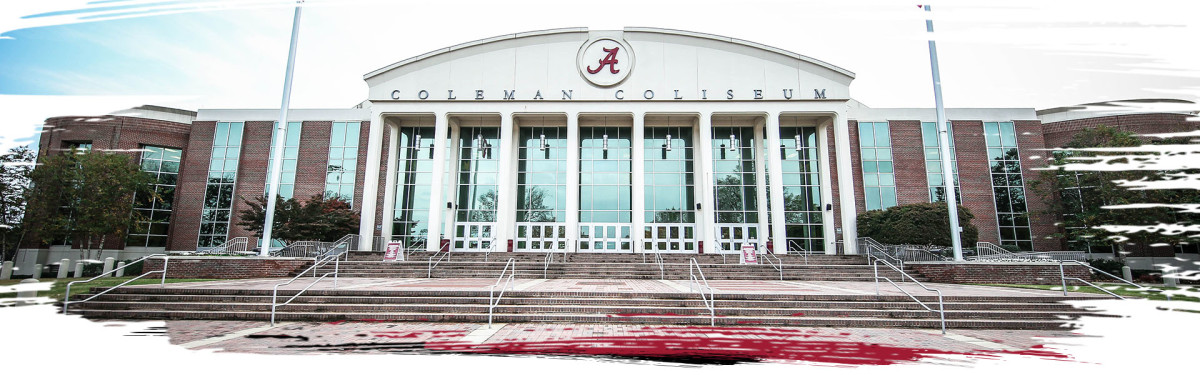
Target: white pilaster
[(389, 186), (706, 218), (370, 197), (845, 183), (778, 219), (638, 186), (506, 190), (827, 224), (572, 209), (437, 205), (760, 182), (450, 189)]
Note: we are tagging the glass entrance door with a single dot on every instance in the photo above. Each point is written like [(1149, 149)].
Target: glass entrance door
[(541, 190)]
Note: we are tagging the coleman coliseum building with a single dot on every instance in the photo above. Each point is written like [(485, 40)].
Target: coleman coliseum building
[(581, 140)]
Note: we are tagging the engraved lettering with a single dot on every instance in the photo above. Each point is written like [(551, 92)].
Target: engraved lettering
[(450, 95), (649, 94), (787, 94), (538, 96), (704, 94), (757, 94), (729, 94), (509, 95), (819, 94), (478, 94), (620, 95), (422, 94), (567, 94), (677, 95), (395, 94)]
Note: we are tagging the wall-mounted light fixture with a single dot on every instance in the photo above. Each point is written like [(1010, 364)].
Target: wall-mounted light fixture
[(667, 144), (544, 146)]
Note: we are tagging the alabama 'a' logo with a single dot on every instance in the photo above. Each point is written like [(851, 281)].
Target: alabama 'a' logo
[(604, 61), (610, 59)]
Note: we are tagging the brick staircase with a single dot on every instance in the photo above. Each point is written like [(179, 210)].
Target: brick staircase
[(613, 266), (963, 312)]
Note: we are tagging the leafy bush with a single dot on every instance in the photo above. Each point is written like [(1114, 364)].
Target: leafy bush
[(916, 224), (1112, 266)]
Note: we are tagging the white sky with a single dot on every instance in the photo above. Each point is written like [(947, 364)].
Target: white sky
[(1019, 53)]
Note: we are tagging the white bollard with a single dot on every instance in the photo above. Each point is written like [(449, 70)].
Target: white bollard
[(78, 270), (37, 271), (27, 293), (6, 270), (1169, 279), (64, 266), (108, 266), (120, 271)]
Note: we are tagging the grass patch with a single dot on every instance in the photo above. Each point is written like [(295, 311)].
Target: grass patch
[(1120, 289), (59, 289)]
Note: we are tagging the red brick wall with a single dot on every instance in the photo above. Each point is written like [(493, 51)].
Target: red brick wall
[(975, 178), (1034, 156), (210, 267), (1059, 133), (998, 273), (380, 218), (908, 159), (833, 177), (189, 195), (860, 202), (313, 159), (252, 173)]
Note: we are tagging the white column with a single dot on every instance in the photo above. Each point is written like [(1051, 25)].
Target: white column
[(572, 209), (778, 219), (637, 232), (436, 204), (845, 183), (450, 187), (506, 189), (827, 224), (706, 217), (760, 182), (389, 186), (366, 227)]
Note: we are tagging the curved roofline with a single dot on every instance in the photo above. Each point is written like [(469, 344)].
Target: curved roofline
[(692, 34)]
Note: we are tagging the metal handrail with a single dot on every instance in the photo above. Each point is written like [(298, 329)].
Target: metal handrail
[(494, 300), (941, 307), (777, 263), (316, 263), (1063, 275), (710, 300), (549, 257), (662, 269), (432, 263), (163, 281), (487, 253), (720, 248), (875, 250), (795, 246), (348, 240), (236, 242)]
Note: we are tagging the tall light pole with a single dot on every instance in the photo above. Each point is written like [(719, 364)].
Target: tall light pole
[(944, 141), (280, 135)]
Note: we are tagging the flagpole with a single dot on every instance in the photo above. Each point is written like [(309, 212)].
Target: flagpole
[(944, 142), (280, 136)]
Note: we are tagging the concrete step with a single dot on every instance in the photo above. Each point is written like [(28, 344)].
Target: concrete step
[(632, 318)]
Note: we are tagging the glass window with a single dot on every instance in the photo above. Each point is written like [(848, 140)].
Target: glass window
[(287, 177), (1007, 187), (802, 189), (878, 174), (343, 160), (214, 224)]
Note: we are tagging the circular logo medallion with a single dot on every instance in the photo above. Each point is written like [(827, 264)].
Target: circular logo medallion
[(605, 61)]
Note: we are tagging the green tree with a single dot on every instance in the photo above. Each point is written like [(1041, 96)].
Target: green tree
[(916, 224), (316, 219), (85, 198), (14, 182), (1083, 194)]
